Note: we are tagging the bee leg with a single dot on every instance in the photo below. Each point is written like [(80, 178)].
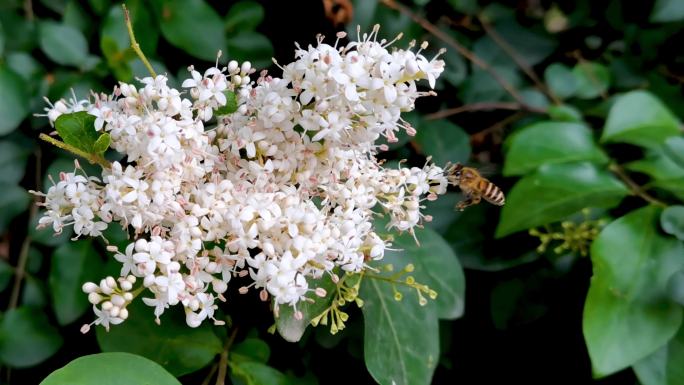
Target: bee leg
[(469, 201)]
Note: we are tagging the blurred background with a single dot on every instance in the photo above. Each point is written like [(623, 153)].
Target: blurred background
[(509, 64)]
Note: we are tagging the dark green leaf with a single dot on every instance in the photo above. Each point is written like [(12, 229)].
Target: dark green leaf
[(2, 40), (556, 191), (251, 349), (13, 201), (173, 344), (456, 70), (674, 148), (550, 142), (251, 46), (443, 211), (34, 293), (444, 141), (257, 373), (672, 221), (78, 129), (73, 264), (667, 11), (27, 338), (6, 273), (193, 26), (63, 44), (13, 159), (244, 16), (102, 143), (22, 31), (25, 66), (146, 32), (99, 6), (231, 104), (481, 86), (628, 314), (14, 100), (565, 113), (465, 6), (110, 369), (292, 329), (675, 287), (75, 16), (394, 351), (560, 80), (640, 118), (591, 79)]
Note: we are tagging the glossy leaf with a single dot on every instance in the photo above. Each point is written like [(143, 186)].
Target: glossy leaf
[(2, 40), (640, 118), (675, 287), (146, 32), (102, 143), (244, 16), (251, 46), (27, 338), (592, 80), (444, 141), (564, 113), (257, 373), (193, 26), (401, 338), (674, 149), (672, 221), (13, 201), (6, 274), (14, 100), (628, 314), (110, 369), (231, 104), (550, 142), (292, 329), (481, 86), (173, 344), (78, 129), (556, 191), (667, 11), (63, 44), (73, 264), (13, 158), (561, 80), (251, 349)]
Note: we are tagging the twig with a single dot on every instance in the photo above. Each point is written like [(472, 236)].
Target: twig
[(636, 189), (518, 60), (207, 379), (223, 362), (93, 159), (134, 43), (483, 106), (20, 270), (479, 136), (28, 9), (468, 54)]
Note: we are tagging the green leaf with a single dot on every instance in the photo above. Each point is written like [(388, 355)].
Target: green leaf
[(251, 349), (665, 11), (640, 118), (231, 104), (173, 344), (110, 369), (102, 143), (63, 44), (193, 26), (2, 40), (13, 201), (556, 191), (456, 69), (78, 129), (561, 80), (34, 293), (73, 264), (628, 314), (465, 6), (591, 79), (76, 16), (244, 16), (444, 141), (672, 221), (14, 100), (251, 46), (292, 329), (675, 287), (6, 273), (27, 338), (664, 367), (550, 142), (146, 32), (481, 86), (13, 158), (257, 373), (401, 338), (25, 66), (674, 149), (564, 113), (436, 265)]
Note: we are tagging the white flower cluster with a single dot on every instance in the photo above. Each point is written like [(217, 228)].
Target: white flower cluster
[(282, 190)]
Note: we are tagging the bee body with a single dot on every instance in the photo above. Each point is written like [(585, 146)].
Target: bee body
[(474, 186)]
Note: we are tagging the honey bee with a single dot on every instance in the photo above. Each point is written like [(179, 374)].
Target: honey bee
[(474, 186)]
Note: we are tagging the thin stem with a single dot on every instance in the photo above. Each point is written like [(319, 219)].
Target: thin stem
[(468, 54), (223, 362), (483, 106), (636, 189), (479, 136), (134, 43), (94, 159), (20, 271), (28, 10), (518, 60), (386, 279), (207, 379)]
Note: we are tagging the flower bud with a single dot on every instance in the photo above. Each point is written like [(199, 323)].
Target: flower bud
[(94, 298), (89, 287), (106, 305), (123, 313)]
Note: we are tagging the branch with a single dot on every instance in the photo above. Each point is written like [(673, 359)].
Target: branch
[(93, 159), (223, 362), (134, 43), (480, 136), (636, 189), (518, 60), (468, 54), (483, 106)]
